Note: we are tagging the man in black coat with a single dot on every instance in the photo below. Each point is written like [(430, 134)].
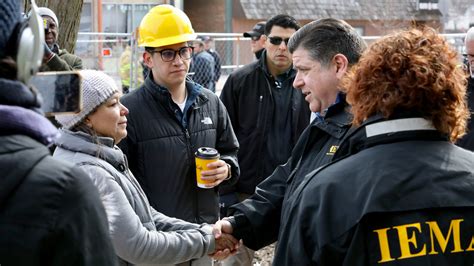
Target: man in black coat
[(322, 53), (399, 191), (467, 141), (268, 114), (257, 42), (170, 118), (50, 212)]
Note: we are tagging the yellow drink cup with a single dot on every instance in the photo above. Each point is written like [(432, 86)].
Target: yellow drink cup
[(204, 155)]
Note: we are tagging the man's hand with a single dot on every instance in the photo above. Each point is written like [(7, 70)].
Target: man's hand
[(218, 173), (48, 54), (226, 244), (222, 226)]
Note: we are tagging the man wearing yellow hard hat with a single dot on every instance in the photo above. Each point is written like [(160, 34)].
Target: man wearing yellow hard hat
[(170, 118)]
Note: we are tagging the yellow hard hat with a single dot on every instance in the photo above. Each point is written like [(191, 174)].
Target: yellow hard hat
[(165, 25)]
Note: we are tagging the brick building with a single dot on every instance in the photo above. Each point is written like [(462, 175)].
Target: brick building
[(368, 16)]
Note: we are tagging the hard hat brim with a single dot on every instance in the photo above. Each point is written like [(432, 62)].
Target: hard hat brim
[(167, 41)]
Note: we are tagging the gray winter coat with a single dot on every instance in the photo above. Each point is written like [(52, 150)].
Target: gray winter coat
[(139, 233)]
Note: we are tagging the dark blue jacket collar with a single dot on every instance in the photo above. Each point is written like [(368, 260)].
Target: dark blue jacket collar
[(194, 99), (22, 121), (20, 113), (193, 89), (15, 93)]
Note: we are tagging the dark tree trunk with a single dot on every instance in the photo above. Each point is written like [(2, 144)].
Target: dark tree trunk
[(69, 17)]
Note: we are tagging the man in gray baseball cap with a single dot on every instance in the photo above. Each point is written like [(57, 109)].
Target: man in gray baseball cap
[(257, 43)]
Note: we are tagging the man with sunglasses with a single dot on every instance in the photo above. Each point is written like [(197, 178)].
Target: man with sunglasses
[(170, 118), (257, 43), (268, 115), (467, 141)]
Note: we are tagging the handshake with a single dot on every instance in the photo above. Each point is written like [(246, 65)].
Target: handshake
[(226, 244)]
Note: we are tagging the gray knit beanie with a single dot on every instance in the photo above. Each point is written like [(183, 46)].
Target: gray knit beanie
[(97, 87), (10, 15)]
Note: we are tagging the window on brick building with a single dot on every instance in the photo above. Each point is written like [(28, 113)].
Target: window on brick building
[(428, 4)]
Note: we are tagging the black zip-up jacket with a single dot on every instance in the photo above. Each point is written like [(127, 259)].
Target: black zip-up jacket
[(160, 148), (467, 141), (401, 194), (247, 95), (257, 219)]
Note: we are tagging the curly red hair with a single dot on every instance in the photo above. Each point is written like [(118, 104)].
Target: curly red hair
[(413, 71)]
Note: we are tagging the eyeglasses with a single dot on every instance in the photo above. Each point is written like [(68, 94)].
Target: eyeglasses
[(255, 38), (168, 55), (468, 55), (278, 40)]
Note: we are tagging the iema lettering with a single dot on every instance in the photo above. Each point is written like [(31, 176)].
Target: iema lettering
[(411, 242)]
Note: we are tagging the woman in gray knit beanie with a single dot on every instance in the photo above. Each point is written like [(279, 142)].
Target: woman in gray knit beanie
[(89, 140), (97, 88)]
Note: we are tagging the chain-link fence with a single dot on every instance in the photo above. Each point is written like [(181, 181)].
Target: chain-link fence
[(114, 52)]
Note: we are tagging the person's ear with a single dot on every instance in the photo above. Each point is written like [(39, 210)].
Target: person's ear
[(148, 59), (264, 38), (341, 64), (88, 122)]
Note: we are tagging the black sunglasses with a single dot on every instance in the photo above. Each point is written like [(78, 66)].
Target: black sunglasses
[(278, 40)]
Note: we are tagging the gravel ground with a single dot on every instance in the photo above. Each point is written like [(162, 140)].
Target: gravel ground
[(264, 256)]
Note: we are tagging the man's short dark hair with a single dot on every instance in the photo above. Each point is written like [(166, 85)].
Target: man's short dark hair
[(324, 38), (282, 20)]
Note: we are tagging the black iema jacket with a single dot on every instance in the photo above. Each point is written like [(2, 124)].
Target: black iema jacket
[(396, 197)]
